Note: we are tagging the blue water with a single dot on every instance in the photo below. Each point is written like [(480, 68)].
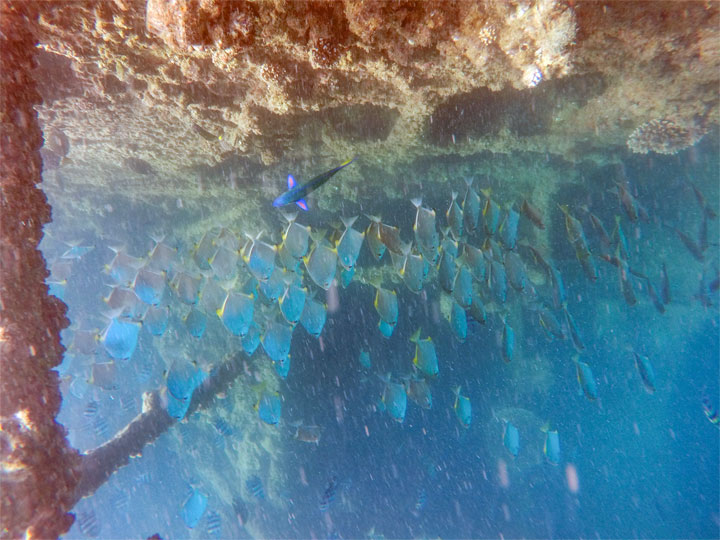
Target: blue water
[(646, 464)]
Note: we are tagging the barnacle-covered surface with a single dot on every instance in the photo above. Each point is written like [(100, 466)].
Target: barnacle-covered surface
[(206, 82)]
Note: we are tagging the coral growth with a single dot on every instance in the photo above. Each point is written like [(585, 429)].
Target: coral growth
[(663, 137)]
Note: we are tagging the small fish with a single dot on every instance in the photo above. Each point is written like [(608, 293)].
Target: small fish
[(646, 371), (120, 338), (509, 228), (195, 322), (706, 208), (182, 378), (463, 408), (425, 359), (297, 193), (559, 295), (498, 281), (508, 342), (313, 317), (259, 257), (241, 511), (586, 379), (276, 341), (255, 487), (91, 409), (214, 525), (123, 301), (418, 390), (251, 340), (515, 270), (268, 405), (532, 213), (394, 398), (447, 270), (85, 341), (551, 448), (710, 411), (454, 217), (194, 508), (275, 285), (627, 201), (573, 330), (654, 297), (425, 231), (204, 250), (224, 263), (386, 329), (348, 247), (329, 494), (386, 305), (491, 213), (625, 282), (414, 271), (186, 287), (458, 322), (575, 233), (471, 207), (308, 434), (511, 439), (123, 267), (588, 265), (149, 286), (103, 375), (76, 251), (346, 277), (282, 367), (477, 309), (321, 264), (390, 237), (295, 238), (205, 134), (223, 427), (551, 325), (377, 248), (364, 359), (691, 246), (292, 303), (475, 260), (88, 523), (462, 288), (600, 229), (237, 312)]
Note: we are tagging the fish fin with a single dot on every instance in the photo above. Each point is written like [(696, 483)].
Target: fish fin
[(545, 427), (374, 219), (469, 181), (416, 336), (290, 217), (291, 182), (349, 221), (487, 192), (302, 203), (318, 235), (416, 202), (454, 195), (456, 390)]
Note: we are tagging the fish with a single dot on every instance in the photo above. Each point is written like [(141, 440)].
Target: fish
[(475, 260), (103, 375), (195, 322), (509, 228), (454, 217), (276, 340), (282, 367), (515, 270), (214, 525), (462, 408), (255, 486), (458, 321), (477, 309), (297, 193), (186, 287), (194, 508), (88, 523), (149, 286), (386, 329), (551, 448), (710, 411), (120, 338), (625, 282), (259, 257), (308, 434), (346, 277), (205, 134), (212, 297), (241, 511), (471, 207), (251, 340), (420, 501), (348, 247), (447, 270), (76, 251), (646, 371), (550, 324), (329, 494), (394, 398), (418, 390), (321, 264), (275, 285), (462, 288), (223, 427), (91, 409), (425, 231), (268, 405), (85, 341), (531, 212), (619, 239), (559, 295), (389, 236), (654, 297), (511, 439), (491, 213), (425, 359), (414, 271), (588, 265), (224, 263), (627, 201), (575, 233), (204, 250), (182, 378), (124, 302), (123, 267), (508, 342), (586, 379), (691, 246), (498, 281), (386, 305), (664, 286), (600, 230), (313, 317), (295, 238), (237, 312), (364, 359), (573, 330), (706, 208), (376, 246), (292, 303)]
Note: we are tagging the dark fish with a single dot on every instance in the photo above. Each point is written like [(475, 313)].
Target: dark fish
[(627, 201), (205, 134), (297, 193), (532, 213), (255, 487), (707, 209), (88, 523), (703, 235), (551, 325), (241, 510), (654, 297), (691, 246), (574, 333), (645, 369), (223, 428), (91, 409), (664, 285), (710, 411), (329, 494), (600, 229), (139, 166), (625, 282), (214, 524)]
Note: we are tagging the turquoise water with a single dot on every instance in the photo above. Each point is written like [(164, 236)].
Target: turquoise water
[(632, 463)]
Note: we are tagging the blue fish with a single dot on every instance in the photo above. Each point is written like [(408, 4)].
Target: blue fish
[(251, 339), (214, 525), (276, 341), (268, 405), (458, 321), (313, 317), (364, 359), (551, 449), (149, 286), (196, 321), (255, 487), (236, 312), (386, 329), (586, 379), (645, 369), (511, 439), (394, 399), (329, 494), (292, 303), (297, 193), (120, 338), (508, 342), (282, 367), (463, 408), (156, 320), (194, 508)]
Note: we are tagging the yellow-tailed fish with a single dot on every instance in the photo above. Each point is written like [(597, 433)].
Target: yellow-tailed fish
[(425, 359), (386, 305), (463, 408), (418, 390), (551, 448), (321, 264), (292, 303), (491, 213), (646, 371), (348, 247), (471, 207), (511, 439), (586, 379), (313, 317), (475, 260), (276, 340), (454, 217), (462, 288), (149, 286), (377, 248), (425, 231), (259, 257), (237, 312), (224, 263), (458, 321)]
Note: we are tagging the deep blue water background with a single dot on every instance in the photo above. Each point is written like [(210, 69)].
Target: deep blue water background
[(647, 464)]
